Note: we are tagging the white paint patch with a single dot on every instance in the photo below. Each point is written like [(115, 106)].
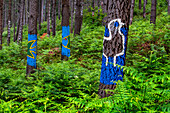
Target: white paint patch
[(110, 37)]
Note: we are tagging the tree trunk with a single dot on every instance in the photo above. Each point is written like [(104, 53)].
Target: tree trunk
[(59, 8), (139, 4), (14, 18), (1, 21), (168, 6), (153, 11), (114, 44), (78, 17), (48, 18), (42, 10), (98, 4), (9, 22), (54, 18), (131, 11), (5, 16), (19, 39), (46, 10), (32, 38), (144, 7), (65, 52), (40, 7), (72, 14), (18, 20)]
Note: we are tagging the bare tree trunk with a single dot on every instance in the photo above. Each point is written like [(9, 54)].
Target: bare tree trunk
[(19, 40), (168, 6), (14, 18), (18, 20), (144, 7), (59, 8), (5, 19), (153, 12), (54, 18), (48, 18), (78, 17), (114, 44), (65, 52), (139, 4), (9, 22), (40, 7), (98, 4), (1, 21), (26, 11), (32, 38), (46, 10), (131, 11), (42, 10), (72, 14)]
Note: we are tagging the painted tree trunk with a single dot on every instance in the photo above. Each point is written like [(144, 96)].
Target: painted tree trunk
[(54, 18), (114, 44), (78, 17), (19, 39), (72, 14), (14, 18), (144, 8), (32, 38), (1, 21), (65, 52), (59, 8), (48, 18), (139, 4), (42, 10), (131, 11), (9, 22), (153, 12)]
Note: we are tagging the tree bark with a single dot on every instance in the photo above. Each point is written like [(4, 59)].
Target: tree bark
[(59, 8), (114, 44), (19, 39), (32, 38), (131, 11), (78, 17), (42, 10), (153, 12), (40, 7), (9, 21), (65, 52), (48, 18), (54, 18), (46, 10), (1, 21), (72, 14), (144, 8), (168, 6), (14, 18), (139, 4)]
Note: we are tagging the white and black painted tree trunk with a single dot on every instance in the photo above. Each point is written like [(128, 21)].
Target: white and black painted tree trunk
[(114, 44)]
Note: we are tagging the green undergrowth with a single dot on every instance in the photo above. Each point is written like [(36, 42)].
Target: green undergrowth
[(72, 86)]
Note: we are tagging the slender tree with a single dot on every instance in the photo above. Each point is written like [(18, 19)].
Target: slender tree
[(42, 10), (46, 9), (131, 11), (72, 14), (65, 30), (9, 21), (32, 37), (54, 17), (19, 37), (139, 4), (114, 44), (78, 17), (1, 21), (40, 7), (14, 13), (59, 8), (48, 17), (144, 7), (168, 6), (153, 12)]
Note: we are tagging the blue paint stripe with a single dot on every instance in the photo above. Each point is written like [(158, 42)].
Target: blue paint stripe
[(65, 33)]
